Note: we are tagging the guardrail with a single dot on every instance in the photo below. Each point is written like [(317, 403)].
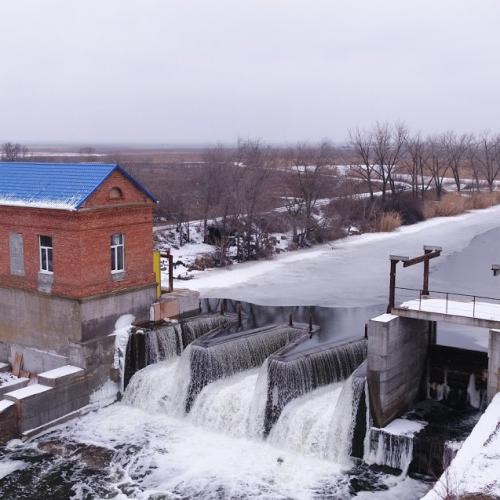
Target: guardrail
[(459, 304)]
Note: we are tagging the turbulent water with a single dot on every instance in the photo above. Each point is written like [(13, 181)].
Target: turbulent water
[(216, 358), (291, 376), (147, 447)]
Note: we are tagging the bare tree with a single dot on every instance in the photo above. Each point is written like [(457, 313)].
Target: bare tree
[(308, 166), (488, 155), (13, 151), (438, 162), (361, 143), (456, 151), (388, 144), (415, 162), (254, 162)]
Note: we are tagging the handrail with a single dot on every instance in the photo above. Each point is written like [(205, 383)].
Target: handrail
[(448, 293)]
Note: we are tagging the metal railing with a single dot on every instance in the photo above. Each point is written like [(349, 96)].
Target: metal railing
[(459, 304)]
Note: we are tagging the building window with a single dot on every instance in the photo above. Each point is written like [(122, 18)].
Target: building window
[(46, 262), (117, 253), (115, 193)]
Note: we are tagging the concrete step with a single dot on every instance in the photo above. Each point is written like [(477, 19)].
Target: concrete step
[(13, 385), (60, 376), (34, 405)]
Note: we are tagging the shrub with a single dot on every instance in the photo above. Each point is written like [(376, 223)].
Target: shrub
[(484, 199), (450, 204), (388, 221), (410, 209)]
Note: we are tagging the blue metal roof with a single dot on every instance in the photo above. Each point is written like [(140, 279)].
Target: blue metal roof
[(55, 185)]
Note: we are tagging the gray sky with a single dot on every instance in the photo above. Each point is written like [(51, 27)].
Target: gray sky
[(193, 71)]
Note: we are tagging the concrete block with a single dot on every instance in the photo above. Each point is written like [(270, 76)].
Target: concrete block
[(8, 421), (60, 376), (13, 385), (397, 353)]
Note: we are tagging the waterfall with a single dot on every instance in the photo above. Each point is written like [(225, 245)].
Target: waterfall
[(321, 423), (235, 404), (149, 386), (193, 328), (161, 387), (292, 374), (224, 405), (163, 343), (148, 345), (214, 357), (392, 445)]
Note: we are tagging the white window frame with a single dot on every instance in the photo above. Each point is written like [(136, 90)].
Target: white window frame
[(114, 251), (44, 249)]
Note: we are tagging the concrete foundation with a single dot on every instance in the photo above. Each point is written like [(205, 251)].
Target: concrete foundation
[(52, 331), (397, 353), (493, 364)]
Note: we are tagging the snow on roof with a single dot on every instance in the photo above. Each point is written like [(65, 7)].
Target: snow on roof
[(65, 186), (61, 371)]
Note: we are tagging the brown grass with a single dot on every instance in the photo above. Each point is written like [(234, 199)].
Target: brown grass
[(388, 221), (484, 199), (448, 205)]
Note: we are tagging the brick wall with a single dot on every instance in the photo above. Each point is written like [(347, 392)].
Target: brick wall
[(81, 242)]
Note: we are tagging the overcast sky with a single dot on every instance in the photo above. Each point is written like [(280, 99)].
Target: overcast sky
[(198, 71)]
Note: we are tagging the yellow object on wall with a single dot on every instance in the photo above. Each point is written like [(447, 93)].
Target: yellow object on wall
[(157, 271)]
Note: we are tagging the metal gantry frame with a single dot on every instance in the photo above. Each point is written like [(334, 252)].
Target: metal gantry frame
[(430, 252)]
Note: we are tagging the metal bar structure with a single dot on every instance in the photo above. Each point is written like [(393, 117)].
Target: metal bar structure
[(474, 299), (430, 252), (170, 258), (422, 258)]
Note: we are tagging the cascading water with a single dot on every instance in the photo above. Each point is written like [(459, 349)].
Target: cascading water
[(292, 374), (194, 328), (213, 358), (321, 423), (234, 405), (217, 380), (161, 387), (149, 386), (163, 343), (392, 445), (150, 345)]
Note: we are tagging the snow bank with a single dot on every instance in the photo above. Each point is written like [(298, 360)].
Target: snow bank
[(476, 467)]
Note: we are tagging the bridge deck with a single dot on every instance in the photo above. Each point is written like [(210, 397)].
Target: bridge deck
[(474, 312)]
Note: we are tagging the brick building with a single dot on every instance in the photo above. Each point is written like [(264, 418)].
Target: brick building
[(75, 254)]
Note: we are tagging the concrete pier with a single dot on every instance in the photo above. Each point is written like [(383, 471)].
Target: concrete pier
[(397, 354), (493, 364)]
